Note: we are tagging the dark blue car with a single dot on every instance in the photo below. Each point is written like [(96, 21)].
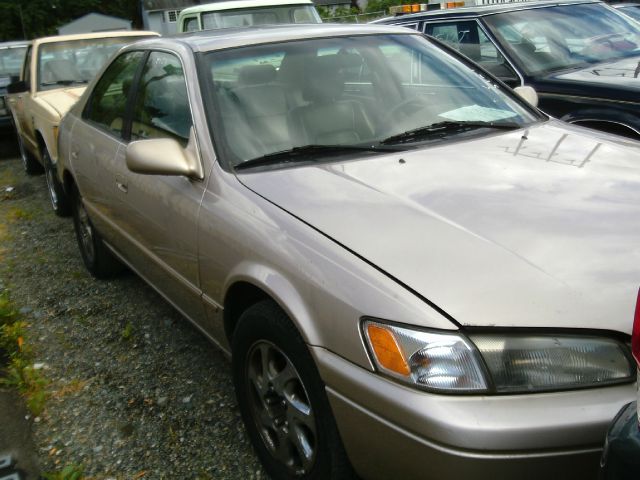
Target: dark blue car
[(621, 455), (581, 56)]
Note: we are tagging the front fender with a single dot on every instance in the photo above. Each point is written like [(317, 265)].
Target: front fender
[(282, 291)]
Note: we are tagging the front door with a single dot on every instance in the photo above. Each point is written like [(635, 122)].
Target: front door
[(159, 213)]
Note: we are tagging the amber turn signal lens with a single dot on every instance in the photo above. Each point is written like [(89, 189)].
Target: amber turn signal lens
[(387, 350)]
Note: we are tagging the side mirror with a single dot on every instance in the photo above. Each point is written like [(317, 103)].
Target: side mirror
[(527, 93), (163, 156), (17, 87)]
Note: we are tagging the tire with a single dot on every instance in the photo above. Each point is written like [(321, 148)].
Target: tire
[(282, 399), (59, 200), (95, 255), (29, 162)]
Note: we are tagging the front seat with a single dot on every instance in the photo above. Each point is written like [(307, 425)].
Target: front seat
[(328, 119)]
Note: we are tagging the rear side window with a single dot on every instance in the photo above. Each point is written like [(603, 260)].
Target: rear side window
[(108, 103), (162, 105)]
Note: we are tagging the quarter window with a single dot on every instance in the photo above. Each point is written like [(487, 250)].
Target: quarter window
[(108, 103), (162, 105)]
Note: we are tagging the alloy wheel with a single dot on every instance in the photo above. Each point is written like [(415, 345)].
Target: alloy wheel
[(281, 408)]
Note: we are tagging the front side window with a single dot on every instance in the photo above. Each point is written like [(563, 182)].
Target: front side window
[(75, 62), (357, 91), (469, 39), (162, 105), (632, 11), (543, 40), (108, 103)]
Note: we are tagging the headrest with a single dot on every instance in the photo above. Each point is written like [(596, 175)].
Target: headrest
[(256, 74), (324, 78)]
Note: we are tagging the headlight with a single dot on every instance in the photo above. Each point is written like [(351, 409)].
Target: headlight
[(449, 362), (550, 362)]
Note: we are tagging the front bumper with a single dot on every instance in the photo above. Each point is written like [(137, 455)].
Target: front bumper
[(391, 431)]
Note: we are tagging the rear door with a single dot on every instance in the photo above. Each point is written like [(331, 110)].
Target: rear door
[(98, 138)]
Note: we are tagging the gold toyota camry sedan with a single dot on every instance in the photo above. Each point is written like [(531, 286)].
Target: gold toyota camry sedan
[(416, 273)]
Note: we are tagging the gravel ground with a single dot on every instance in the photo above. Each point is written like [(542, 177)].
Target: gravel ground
[(135, 391)]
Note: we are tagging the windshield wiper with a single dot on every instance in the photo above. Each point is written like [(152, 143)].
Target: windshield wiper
[(444, 127), (63, 82), (307, 153)]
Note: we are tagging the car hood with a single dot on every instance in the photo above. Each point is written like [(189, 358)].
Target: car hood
[(530, 228), (621, 75), (61, 100)]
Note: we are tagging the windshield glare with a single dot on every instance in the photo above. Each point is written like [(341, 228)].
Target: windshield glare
[(11, 61), (542, 40), (76, 61), (345, 91)]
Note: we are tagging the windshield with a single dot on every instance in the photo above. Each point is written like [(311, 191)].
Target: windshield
[(11, 61), (75, 62), (260, 16), (360, 90), (543, 40)]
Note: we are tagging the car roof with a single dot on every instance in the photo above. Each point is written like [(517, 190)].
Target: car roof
[(209, 40), (481, 10), (89, 36), (239, 4)]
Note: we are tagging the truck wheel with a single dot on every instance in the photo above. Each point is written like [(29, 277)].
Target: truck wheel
[(59, 200), (29, 162)]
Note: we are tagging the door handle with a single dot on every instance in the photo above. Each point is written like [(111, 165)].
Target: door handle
[(122, 186), (74, 155)]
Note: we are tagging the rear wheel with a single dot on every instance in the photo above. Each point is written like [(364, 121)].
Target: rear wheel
[(282, 399), (29, 162), (59, 200), (96, 256)]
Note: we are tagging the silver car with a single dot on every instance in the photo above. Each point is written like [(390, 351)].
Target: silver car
[(416, 273)]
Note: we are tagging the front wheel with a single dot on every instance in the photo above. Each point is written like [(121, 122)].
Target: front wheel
[(282, 399), (96, 256), (59, 200)]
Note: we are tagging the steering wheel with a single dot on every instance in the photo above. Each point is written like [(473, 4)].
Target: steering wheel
[(399, 114), (598, 46)]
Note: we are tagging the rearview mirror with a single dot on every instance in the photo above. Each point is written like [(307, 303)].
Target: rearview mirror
[(162, 156), (527, 93)]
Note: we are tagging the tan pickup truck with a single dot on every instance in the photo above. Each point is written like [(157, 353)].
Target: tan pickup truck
[(55, 73)]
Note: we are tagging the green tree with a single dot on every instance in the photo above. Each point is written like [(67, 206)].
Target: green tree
[(36, 18)]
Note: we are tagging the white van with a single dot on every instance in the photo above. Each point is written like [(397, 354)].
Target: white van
[(239, 13)]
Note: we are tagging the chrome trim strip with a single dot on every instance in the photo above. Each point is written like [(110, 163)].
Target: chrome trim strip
[(599, 99), (600, 120)]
